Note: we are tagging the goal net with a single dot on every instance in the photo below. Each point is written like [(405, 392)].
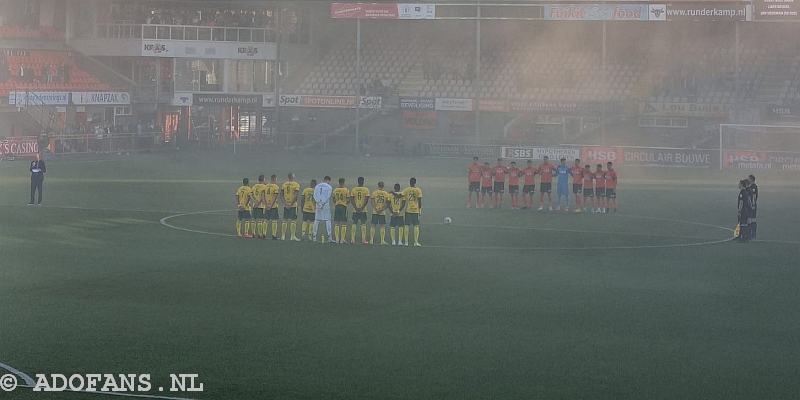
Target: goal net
[(752, 147)]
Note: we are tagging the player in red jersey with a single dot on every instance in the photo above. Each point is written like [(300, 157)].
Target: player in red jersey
[(500, 172), (588, 188), (577, 184), (513, 184), (528, 184), (486, 184), (611, 187), (600, 189), (546, 171), (474, 179)]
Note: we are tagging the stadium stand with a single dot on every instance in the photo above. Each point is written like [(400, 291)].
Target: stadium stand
[(415, 66), (40, 70)]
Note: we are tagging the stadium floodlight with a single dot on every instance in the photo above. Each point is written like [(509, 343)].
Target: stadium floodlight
[(759, 147)]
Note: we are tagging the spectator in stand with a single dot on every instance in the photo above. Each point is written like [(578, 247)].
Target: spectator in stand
[(46, 74)]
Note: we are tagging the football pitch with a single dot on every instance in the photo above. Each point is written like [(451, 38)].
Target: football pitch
[(130, 267)]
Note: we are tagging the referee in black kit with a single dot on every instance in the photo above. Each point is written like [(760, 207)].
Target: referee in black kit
[(753, 189), (38, 170)]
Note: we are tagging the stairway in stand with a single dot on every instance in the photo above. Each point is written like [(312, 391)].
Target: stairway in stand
[(412, 83)]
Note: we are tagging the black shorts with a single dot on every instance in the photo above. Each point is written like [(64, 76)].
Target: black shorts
[(290, 213), (475, 187), (486, 189), (308, 216), (499, 187), (396, 220), (546, 187), (528, 189), (378, 219), (611, 193), (244, 214), (272, 214), (577, 188), (588, 192), (340, 214), (600, 192), (412, 219), (258, 213), (359, 217), (513, 189)]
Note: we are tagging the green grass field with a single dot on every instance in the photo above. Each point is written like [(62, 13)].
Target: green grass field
[(501, 304)]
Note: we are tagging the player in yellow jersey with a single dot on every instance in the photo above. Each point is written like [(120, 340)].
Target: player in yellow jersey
[(341, 198), (290, 191), (380, 201), (309, 207), (259, 193), (413, 196), (360, 198), (244, 201), (397, 222), (271, 200)]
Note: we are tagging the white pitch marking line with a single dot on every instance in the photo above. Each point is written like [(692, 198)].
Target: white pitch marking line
[(164, 222)]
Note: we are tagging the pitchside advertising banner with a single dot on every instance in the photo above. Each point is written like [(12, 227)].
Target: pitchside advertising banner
[(26, 146), (383, 10), (638, 156), (649, 156), (228, 99), (750, 160), (538, 153), (686, 109), (420, 120), (100, 98), (451, 104), (417, 103), (596, 12), (297, 100), (777, 10), (704, 11), (38, 98)]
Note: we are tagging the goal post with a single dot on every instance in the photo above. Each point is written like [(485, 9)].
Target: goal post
[(754, 147)]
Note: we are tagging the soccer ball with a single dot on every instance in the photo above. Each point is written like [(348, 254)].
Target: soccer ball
[(448, 220)]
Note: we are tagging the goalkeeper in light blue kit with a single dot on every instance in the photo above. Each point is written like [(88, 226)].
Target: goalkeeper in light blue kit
[(563, 173)]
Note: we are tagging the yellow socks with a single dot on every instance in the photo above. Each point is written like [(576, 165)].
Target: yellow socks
[(405, 235), (284, 226), (416, 233), (293, 227), (383, 235), (392, 234), (336, 232), (353, 234), (363, 232), (372, 235), (344, 231), (239, 227)]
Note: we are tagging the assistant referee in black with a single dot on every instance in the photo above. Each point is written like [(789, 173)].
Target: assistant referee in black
[(38, 170)]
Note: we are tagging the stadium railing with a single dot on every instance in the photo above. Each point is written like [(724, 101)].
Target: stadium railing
[(185, 32), (111, 143)]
